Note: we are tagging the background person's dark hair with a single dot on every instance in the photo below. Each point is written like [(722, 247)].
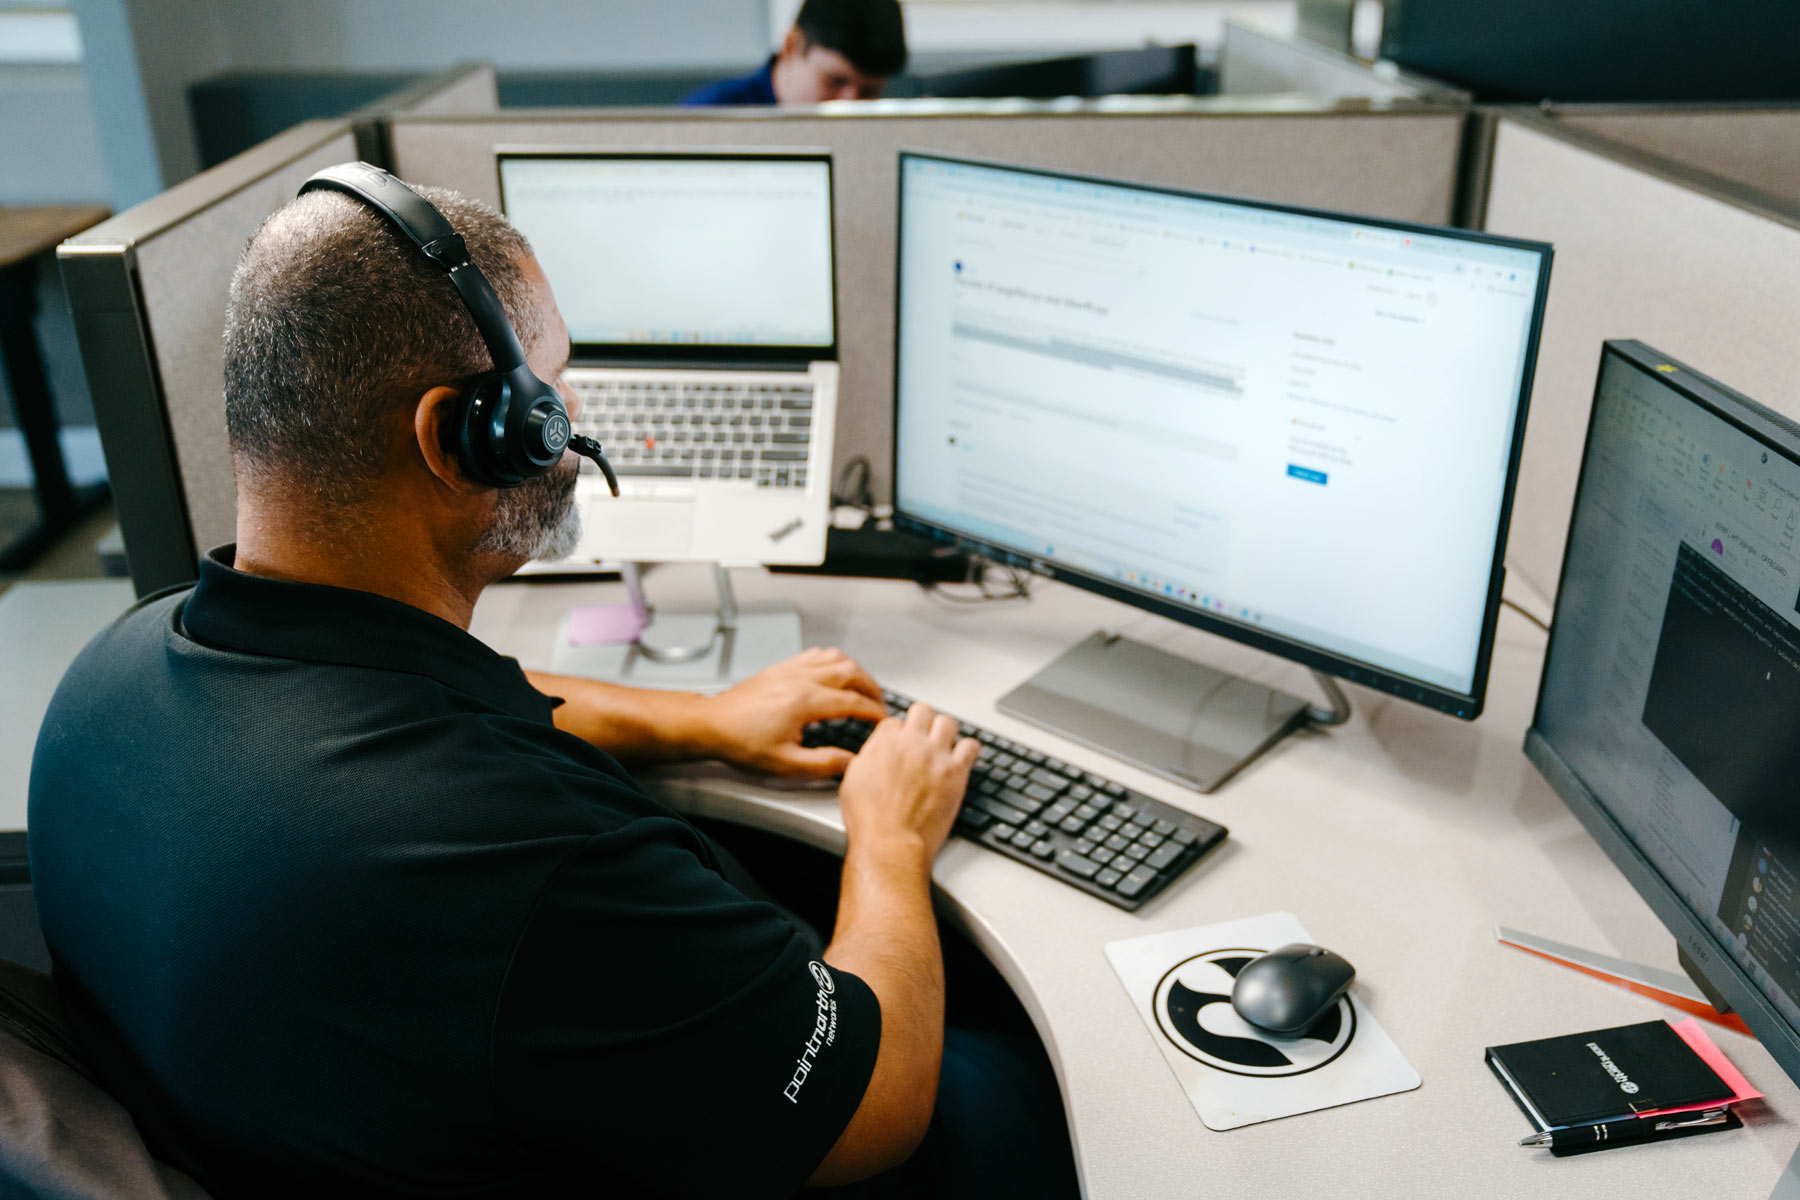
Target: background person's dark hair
[(337, 325), (870, 33)]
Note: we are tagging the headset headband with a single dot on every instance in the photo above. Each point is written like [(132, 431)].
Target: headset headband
[(425, 227)]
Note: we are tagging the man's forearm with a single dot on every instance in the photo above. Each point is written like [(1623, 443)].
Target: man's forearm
[(634, 725), (886, 934)]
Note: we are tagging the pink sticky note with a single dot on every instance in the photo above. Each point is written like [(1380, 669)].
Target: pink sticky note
[(1691, 1032), (607, 624)]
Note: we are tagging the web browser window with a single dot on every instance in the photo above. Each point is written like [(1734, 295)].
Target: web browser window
[(1293, 421), (671, 251)]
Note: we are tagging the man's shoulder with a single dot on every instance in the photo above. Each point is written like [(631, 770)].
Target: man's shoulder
[(752, 87)]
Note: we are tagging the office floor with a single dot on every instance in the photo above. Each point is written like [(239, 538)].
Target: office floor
[(76, 556)]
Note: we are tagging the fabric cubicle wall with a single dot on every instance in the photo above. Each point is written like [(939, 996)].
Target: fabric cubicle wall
[(1644, 249), (148, 290), (1756, 146), (1399, 162), (1255, 59)]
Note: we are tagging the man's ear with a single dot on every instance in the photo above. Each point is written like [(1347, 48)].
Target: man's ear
[(434, 419)]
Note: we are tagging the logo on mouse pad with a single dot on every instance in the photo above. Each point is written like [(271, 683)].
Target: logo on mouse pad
[(1193, 1010)]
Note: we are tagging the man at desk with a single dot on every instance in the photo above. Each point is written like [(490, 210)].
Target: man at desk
[(835, 50), (342, 902)]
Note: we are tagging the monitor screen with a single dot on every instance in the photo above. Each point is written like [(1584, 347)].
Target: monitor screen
[(680, 250), (1671, 687), (1296, 428)]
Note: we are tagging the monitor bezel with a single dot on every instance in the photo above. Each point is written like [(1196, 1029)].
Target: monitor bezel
[(1724, 974), (710, 353), (1466, 705)]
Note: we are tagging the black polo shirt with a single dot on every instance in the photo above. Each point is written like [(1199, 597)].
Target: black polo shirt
[(336, 909)]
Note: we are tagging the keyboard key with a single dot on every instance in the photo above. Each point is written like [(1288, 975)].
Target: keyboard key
[(1084, 847), (793, 405), (973, 819), (1023, 801), (1136, 852), (783, 455), (1002, 833), (1102, 855), (1107, 877), (1135, 882), (1023, 840), (642, 470), (1184, 837), (1043, 848), (1039, 792), (1050, 779), (1071, 824), (789, 439), (1167, 853), (1164, 827), (1003, 811), (1076, 864)]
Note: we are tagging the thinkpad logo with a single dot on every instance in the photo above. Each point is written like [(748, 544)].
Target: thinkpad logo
[(824, 1031), (791, 527)]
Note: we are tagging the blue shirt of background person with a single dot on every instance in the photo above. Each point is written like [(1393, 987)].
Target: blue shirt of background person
[(835, 50)]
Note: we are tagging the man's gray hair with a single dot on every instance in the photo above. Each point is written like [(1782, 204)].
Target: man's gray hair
[(337, 324)]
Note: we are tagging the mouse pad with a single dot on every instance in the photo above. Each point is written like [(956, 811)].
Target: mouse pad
[(1233, 1073)]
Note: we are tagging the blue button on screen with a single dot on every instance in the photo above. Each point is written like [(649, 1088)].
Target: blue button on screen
[(1306, 473)]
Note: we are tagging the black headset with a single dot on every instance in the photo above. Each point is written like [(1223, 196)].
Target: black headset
[(510, 425)]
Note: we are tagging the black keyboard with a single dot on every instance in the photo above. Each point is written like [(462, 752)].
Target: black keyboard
[(1089, 832)]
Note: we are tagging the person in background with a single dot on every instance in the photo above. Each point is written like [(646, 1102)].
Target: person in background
[(835, 50)]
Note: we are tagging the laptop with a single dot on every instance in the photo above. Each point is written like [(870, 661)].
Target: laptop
[(702, 307)]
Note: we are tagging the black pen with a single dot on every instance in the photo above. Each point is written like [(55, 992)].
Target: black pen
[(1632, 1129)]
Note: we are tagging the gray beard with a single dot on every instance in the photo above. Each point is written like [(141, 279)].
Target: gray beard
[(539, 519)]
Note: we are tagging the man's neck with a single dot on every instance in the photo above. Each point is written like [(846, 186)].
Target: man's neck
[(363, 555)]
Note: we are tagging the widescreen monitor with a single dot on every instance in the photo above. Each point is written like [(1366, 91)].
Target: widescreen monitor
[(1670, 695), (1298, 429), (695, 251)]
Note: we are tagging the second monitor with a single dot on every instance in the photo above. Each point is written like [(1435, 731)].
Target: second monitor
[(1297, 429)]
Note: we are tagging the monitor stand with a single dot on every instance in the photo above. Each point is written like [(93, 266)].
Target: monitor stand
[(1169, 715), (687, 651)]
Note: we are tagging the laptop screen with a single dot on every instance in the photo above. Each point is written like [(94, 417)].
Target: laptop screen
[(680, 250)]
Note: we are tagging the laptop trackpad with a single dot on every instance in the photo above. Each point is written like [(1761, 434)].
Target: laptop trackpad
[(639, 530)]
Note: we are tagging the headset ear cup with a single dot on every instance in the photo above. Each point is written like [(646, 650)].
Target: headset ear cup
[(479, 429)]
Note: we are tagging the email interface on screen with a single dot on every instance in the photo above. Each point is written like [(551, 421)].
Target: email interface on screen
[(680, 251), (1295, 422), (1674, 675)]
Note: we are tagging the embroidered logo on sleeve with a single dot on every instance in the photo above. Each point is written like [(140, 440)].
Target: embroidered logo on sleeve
[(824, 1031)]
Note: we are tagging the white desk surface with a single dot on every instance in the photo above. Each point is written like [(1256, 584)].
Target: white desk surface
[(1399, 840), (43, 626)]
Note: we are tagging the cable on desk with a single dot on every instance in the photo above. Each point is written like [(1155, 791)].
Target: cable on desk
[(853, 488), (1018, 585), (1526, 613)]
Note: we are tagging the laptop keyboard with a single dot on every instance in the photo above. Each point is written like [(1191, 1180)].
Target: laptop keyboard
[(757, 434), (1087, 831)]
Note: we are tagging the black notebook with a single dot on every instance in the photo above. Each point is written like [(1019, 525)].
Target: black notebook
[(1584, 1078)]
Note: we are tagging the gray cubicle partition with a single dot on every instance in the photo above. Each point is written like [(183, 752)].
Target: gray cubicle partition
[(148, 289), (1256, 59), (1755, 145), (1645, 248), (1390, 159)]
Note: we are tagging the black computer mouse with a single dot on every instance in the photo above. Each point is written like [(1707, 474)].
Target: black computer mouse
[(1286, 990)]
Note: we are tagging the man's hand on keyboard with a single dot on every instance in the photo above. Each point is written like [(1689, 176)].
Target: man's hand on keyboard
[(908, 780), (758, 723)]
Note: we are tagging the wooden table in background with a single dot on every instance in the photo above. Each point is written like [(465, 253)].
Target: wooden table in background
[(26, 234)]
